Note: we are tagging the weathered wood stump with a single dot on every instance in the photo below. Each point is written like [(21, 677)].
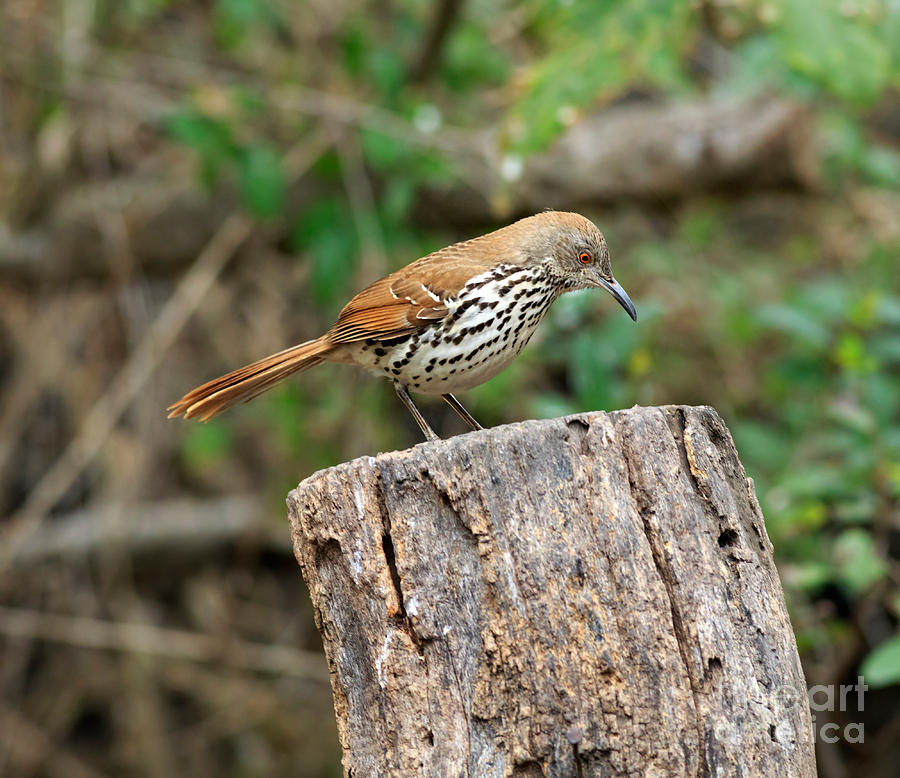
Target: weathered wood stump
[(593, 595)]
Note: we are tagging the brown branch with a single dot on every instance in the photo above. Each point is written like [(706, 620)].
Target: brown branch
[(161, 642), (26, 741), (181, 526), (445, 17)]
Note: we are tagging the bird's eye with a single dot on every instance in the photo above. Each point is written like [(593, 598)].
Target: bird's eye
[(584, 258)]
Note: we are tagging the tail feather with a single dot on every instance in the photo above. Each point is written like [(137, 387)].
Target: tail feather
[(247, 382)]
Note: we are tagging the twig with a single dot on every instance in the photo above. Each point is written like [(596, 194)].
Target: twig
[(23, 735), (131, 378), (362, 202), (444, 18), (258, 700), (170, 526), (161, 642), (15, 412), (42, 357)]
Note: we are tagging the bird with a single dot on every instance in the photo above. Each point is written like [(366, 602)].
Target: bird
[(446, 322)]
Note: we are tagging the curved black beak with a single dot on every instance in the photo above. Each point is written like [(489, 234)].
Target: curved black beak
[(614, 288)]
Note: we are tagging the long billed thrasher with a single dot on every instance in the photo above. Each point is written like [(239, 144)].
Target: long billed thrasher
[(449, 321)]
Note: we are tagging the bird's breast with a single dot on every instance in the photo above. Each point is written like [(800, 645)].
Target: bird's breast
[(486, 326)]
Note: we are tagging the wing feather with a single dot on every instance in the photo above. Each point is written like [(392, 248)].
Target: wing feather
[(406, 300), (418, 294)]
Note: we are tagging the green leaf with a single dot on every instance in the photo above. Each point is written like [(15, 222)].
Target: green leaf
[(891, 29), (596, 51), (764, 447), (881, 166), (471, 59), (496, 397), (882, 666), (388, 71), (397, 199), (791, 320), (210, 138), (262, 181), (829, 301), (327, 232), (838, 52), (355, 45), (384, 152), (234, 18), (851, 354), (858, 563), (195, 129), (598, 360), (700, 227), (755, 60), (205, 445), (552, 406), (808, 576), (888, 310)]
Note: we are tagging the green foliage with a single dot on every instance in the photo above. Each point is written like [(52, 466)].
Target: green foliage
[(233, 20), (848, 151), (256, 166), (261, 180), (882, 666), (831, 393), (596, 363), (206, 445), (210, 138), (858, 564), (845, 54), (597, 50), (326, 231), (801, 357), (372, 58), (471, 60)]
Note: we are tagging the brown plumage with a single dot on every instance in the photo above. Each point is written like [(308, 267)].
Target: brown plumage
[(447, 321), (246, 382)]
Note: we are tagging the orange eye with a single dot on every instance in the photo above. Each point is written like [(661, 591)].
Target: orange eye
[(584, 258)]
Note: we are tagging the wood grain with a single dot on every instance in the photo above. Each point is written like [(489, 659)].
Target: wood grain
[(602, 578)]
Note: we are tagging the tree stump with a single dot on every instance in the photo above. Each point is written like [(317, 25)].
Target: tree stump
[(585, 596)]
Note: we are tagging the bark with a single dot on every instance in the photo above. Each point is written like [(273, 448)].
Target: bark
[(597, 588)]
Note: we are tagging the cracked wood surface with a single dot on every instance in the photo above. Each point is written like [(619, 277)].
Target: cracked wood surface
[(604, 578)]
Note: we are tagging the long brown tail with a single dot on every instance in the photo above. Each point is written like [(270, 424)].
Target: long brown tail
[(247, 382)]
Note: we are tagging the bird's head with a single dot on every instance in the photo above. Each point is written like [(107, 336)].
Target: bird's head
[(578, 253)]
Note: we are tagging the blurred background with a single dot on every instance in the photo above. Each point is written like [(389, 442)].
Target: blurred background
[(188, 185)]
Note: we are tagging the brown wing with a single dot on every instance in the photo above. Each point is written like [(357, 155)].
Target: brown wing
[(417, 294)]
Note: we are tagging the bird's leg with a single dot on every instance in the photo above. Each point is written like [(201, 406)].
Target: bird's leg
[(417, 414), (458, 407)]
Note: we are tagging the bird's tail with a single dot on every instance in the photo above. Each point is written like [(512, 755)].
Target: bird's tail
[(247, 382)]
